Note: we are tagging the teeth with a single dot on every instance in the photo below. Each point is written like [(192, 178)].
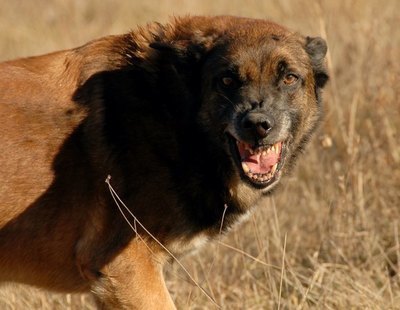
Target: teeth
[(259, 177), (274, 167), (246, 168), (264, 153)]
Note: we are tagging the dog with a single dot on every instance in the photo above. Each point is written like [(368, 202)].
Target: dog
[(190, 123)]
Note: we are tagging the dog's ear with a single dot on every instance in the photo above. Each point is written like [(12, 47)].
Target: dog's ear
[(316, 48)]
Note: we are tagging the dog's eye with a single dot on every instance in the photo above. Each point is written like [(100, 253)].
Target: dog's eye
[(228, 82), (290, 79)]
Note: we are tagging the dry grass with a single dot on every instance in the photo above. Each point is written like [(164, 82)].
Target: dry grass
[(330, 238)]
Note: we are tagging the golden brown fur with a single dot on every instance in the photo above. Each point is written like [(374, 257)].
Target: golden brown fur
[(59, 227)]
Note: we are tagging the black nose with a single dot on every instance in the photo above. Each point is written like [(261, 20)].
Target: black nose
[(257, 124)]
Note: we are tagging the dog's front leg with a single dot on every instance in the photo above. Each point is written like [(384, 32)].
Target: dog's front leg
[(133, 279)]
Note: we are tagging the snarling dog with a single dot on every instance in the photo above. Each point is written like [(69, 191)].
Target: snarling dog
[(194, 121)]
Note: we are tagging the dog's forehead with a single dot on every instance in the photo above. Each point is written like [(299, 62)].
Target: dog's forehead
[(252, 45), (255, 46), (260, 55)]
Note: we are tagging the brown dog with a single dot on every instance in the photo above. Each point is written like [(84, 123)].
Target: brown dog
[(194, 120)]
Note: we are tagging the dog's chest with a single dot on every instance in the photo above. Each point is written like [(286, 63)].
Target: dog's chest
[(184, 246)]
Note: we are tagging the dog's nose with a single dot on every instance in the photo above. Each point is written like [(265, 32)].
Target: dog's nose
[(258, 124)]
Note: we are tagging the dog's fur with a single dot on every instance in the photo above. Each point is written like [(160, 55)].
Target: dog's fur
[(149, 109)]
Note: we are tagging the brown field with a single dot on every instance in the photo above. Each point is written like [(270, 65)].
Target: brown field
[(329, 239)]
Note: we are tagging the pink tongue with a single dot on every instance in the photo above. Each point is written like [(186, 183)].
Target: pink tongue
[(259, 163)]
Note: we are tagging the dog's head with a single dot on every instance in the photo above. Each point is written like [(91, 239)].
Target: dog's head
[(258, 90), (262, 90)]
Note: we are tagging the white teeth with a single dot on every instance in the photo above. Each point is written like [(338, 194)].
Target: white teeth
[(274, 167), (259, 177), (264, 153), (246, 168)]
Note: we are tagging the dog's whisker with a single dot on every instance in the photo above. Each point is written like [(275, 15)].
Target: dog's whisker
[(225, 97), (117, 199)]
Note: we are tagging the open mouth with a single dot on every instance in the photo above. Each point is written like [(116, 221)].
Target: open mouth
[(261, 164)]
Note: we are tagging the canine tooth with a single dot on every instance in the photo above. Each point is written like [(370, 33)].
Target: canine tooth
[(246, 168), (274, 168)]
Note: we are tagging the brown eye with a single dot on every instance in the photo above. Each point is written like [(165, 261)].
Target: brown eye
[(290, 79), (227, 81)]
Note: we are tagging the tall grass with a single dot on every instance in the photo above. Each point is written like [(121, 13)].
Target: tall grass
[(329, 239)]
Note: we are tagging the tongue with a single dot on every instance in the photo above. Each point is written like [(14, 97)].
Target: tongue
[(259, 163)]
